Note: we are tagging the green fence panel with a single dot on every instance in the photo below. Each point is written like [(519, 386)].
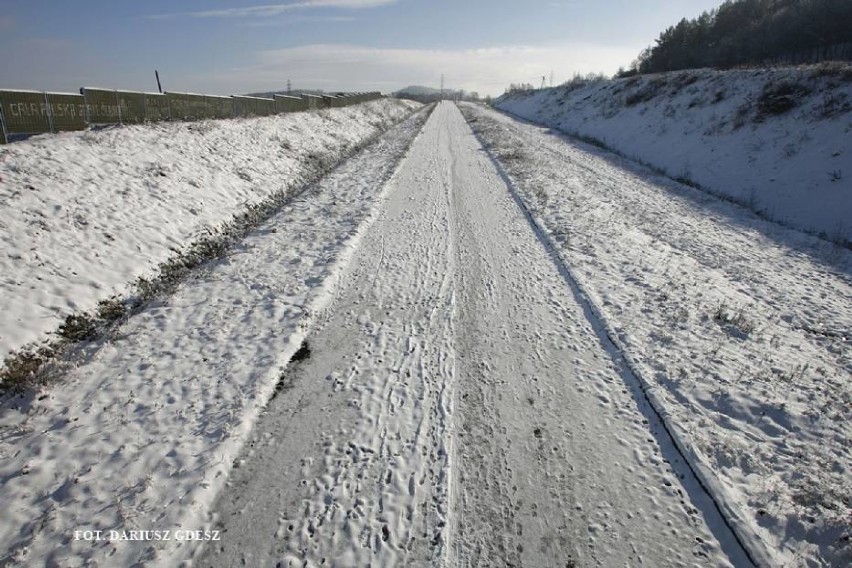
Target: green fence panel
[(177, 105), (123, 107), (188, 106), (156, 107), (313, 101), (331, 101), (196, 107), (219, 107), (266, 107), (103, 106), (67, 111), (286, 103), (185, 106), (253, 106), (25, 112), (244, 106), (31, 112), (132, 105)]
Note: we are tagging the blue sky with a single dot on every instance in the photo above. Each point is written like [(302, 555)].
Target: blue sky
[(239, 46)]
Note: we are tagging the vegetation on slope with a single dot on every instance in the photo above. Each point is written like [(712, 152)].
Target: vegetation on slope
[(753, 32)]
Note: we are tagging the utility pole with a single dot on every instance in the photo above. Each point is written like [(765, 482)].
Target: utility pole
[(543, 84), (442, 86), (551, 78)]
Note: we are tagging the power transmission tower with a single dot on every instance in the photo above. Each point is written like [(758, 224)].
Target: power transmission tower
[(289, 90)]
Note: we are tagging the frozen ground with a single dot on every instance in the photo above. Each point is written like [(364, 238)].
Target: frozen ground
[(739, 327), (776, 140), (85, 213), (142, 434), (436, 358), (460, 406)]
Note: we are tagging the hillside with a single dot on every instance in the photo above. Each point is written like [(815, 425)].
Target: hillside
[(773, 140), (754, 32), (418, 90), (737, 326), (87, 213), (428, 94)]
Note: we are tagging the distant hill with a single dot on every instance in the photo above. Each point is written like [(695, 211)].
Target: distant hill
[(430, 94), (294, 92), (417, 90), (753, 32)]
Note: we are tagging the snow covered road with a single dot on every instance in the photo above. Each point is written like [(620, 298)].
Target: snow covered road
[(460, 406), (738, 327), (142, 433)]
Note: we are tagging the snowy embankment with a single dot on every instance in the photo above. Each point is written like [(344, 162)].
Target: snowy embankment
[(142, 433), (778, 141), (740, 328), (85, 213), (459, 408)]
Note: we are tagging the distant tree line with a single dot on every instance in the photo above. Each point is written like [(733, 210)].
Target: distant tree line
[(432, 95), (753, 32), (520, 88)]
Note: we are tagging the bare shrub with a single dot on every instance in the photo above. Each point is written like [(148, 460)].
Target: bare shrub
[(736, 323), (779, 99), (839, 69), (78, 327), (21, 370)]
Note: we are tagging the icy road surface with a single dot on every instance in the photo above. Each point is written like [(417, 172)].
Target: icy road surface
[(460, 406)]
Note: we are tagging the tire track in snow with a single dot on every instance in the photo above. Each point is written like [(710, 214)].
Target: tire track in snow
[(458, 407), (142, 434), (561, 460), (700, 484), (350, 464)]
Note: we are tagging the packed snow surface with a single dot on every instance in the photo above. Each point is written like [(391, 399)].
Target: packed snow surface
[(85, 213), (479, 348), (141, 434), (778, 141), (739, 327), (459, 407)]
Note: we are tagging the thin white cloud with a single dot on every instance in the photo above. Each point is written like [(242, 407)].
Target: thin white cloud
[(267, 23), (271, 10), (357, 68)]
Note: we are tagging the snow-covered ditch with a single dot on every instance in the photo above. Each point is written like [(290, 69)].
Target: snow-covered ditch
[(84, 214), (778, 141), (740, 326), (142, 433)]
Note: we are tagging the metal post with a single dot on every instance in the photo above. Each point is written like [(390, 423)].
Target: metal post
[(49, 113), (5, 138), (86, 108)]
